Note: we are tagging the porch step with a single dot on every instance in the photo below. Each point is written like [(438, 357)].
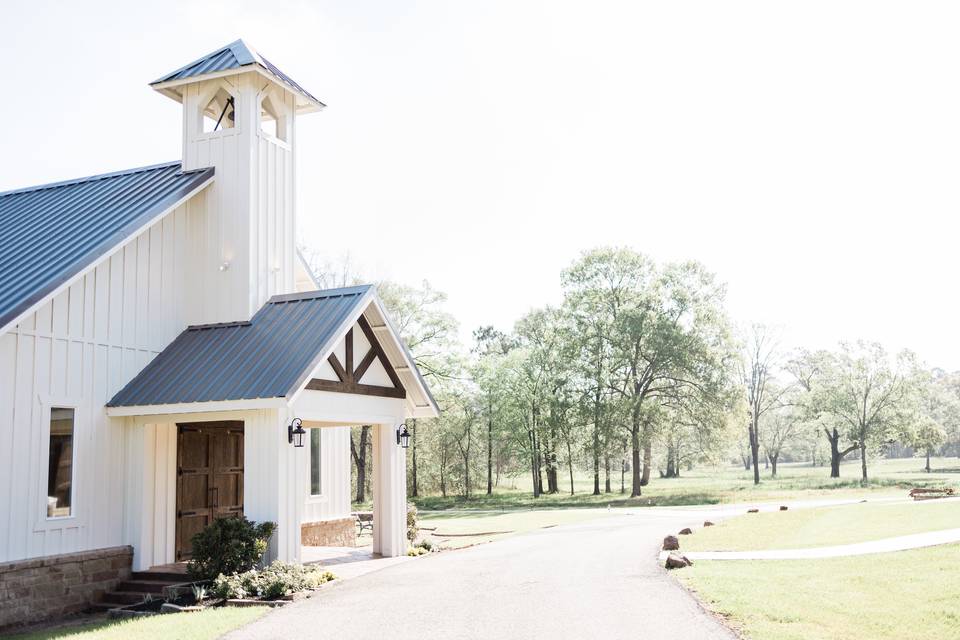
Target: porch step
[(126, 597), (139, 586), (144, 586), (168, 577)]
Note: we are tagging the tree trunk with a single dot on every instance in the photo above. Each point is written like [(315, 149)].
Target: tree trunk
[(606, 474), (635, 460), (671, 470), (413, 436), (596, 460), (489, 451), (623, 476), (647, 461), (863, 459), (927, 468), (773, 465), (755, 451), (359, 455), (570, 465)]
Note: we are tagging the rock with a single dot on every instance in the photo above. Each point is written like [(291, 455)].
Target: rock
[(753, 510), (686, 532), (677, 561), (707, 523), (670, 543), (783, 507)]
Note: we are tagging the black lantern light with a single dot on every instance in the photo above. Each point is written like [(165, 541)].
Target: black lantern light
[(295, 432), (403, 436)]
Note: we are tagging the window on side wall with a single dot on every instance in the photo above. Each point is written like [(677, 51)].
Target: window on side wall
[(315, 488), (60, 463)]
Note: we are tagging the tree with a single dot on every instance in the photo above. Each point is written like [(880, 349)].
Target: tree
[(489, 345), (870, 399), (928, 435), (781, 427), (758, 370), (668, 338)]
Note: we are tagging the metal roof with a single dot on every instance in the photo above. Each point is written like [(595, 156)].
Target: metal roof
[(235, 55), (50, 233), (270, 356)]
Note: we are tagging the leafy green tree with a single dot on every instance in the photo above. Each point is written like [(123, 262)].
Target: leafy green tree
[(869, 396)]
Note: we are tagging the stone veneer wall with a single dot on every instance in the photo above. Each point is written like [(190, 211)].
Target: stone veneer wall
[(340, 532), (40, 588)]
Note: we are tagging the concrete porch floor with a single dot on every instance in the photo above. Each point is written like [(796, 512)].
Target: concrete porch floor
[(348, 562)]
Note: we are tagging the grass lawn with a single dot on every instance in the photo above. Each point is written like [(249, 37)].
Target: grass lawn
[(716, 485), (908, 595), (824, 526), (470, 527), (204, 625)]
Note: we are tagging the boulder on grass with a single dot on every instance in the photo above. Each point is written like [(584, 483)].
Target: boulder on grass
[(783, 507), (686, 532), (670, 543), (753, 510), (677, 561), (707, 523)]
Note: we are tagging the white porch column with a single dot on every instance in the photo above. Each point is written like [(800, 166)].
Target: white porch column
[(270, 487), (389, 492)]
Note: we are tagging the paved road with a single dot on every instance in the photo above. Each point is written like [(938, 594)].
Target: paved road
[(599, 579)]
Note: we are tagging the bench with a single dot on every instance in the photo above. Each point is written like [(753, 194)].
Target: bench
[(364, 521)]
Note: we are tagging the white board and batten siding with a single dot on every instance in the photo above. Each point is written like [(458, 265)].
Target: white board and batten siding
[(77, 350), (250, 226)]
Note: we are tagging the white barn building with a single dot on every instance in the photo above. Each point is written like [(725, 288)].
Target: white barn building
[(159, 335)]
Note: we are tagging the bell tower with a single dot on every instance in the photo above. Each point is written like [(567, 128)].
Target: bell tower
[(239, 116)]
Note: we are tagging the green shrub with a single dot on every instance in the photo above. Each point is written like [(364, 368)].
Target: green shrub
[(412, 527), (417, 551), (275, 581), (426, 544), (228, 546)]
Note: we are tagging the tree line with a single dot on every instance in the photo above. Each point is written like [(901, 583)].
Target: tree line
[(639, 371)]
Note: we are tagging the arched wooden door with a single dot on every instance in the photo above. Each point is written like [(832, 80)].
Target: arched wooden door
[(209, 477)]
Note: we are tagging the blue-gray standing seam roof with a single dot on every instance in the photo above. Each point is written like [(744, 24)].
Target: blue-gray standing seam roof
[(50, 233), (270, 356), (235, 55)]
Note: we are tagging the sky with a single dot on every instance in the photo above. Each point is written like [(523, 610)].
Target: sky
[(806, 153)]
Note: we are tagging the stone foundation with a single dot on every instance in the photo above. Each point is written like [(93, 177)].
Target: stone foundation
[(340, 532), (39, 588)]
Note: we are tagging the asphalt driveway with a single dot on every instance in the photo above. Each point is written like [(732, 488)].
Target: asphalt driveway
[(599, 579)]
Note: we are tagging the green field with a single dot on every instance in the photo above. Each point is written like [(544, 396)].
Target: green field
[(904, 595), (908, 595), (203, 625), (825, 526), (716, 485)]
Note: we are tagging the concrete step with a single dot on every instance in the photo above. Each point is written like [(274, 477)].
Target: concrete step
[(106, 606), (126, 597), (143, 586), (169, 577)]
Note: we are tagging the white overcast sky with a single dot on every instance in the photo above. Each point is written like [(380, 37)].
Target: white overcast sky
[(806, 152)]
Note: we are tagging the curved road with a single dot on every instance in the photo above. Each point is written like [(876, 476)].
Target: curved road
[(599, 579)]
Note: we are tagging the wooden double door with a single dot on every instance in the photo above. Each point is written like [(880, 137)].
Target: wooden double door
[(209, 477)]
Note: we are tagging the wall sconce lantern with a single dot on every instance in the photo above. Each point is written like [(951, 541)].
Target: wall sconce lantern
[(403, 436), (295, 432)]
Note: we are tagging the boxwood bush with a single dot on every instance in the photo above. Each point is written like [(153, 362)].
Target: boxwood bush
[(228, 546)]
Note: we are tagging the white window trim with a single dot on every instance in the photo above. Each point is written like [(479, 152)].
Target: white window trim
[(44, 522)]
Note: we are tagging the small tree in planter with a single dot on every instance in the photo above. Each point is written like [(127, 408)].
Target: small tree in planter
[(229, 546)]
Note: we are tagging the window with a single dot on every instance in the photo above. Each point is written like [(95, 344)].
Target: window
[(218, 114), (60, 464), (315, 462)]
